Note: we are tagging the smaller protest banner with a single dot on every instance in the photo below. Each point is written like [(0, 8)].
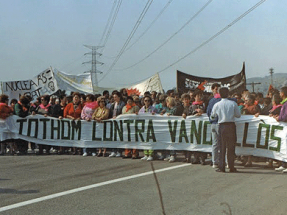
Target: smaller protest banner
[(235, 83), (42, 84)]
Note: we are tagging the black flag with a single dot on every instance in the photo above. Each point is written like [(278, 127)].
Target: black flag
[(235, 83)]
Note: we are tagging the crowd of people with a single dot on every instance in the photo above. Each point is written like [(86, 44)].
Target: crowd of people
[(99, 107)]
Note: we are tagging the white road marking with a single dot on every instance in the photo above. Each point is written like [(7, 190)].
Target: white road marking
[(52, 196)]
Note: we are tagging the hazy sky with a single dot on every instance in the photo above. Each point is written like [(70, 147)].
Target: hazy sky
[(36, 34)]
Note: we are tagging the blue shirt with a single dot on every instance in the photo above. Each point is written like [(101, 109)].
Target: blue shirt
[(211, 103)]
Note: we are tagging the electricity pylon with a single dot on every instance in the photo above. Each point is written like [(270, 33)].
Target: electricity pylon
[(94, 63)]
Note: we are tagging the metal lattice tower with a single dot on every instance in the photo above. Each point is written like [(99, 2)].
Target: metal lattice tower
[(94, 63)]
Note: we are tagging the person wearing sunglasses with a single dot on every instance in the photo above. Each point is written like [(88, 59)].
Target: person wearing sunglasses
[(147, 108), (46, 109)]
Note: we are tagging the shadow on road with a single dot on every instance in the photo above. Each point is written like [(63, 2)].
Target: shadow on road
[(256, 173), (13, 191)]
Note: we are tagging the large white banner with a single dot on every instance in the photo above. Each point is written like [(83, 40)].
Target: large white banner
[(82, 83), (74, 83), (262, 136), (42, 84), (78, 83)]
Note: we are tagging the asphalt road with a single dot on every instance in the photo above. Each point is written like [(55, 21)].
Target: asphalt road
[(186, 189)]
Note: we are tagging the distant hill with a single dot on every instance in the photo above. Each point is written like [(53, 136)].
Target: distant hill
[(279, 80)]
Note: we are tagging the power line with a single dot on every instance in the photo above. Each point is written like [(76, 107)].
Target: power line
[(112, 23), (165, 42), (142, 15), (211, 38), (68, 64), (215, 35), (161, 12), (146, 30), (108, 22)]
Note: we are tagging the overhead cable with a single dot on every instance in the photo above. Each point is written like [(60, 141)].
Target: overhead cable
[(108, 22), (142, 15), (146, 30), (215, 35), (112, 24), (165, 42), (210, 39)]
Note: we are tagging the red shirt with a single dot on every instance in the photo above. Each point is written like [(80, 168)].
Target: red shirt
[(5, 110), (69, 110)]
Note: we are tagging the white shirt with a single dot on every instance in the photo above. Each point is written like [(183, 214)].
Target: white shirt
[(226, 111)]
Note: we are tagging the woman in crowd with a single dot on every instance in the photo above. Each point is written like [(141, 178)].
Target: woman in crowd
[(274, 112), (89, 108), (161, 107), (106, 94), (124, 92), (58, 112), (58, 109), (137, 101), (197, 109), (148, 108), (130, 108), (184, 110), (21, 109), (73, 111), (46, 109), (110, 101), (52, 100), (87, 114), (83, 99), (250, 109), (153, 96), (115, 110), (266, 107), (5, 111), (12, 103), (34, 105), (69, 99), (282, 117), (276, 106), (191, 95), (170, 111), (101, 113)]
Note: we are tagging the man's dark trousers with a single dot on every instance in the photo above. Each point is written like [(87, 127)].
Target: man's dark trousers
[(227, 139)]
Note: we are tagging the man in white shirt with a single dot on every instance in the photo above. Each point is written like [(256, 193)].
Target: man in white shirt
[(226, 111)]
